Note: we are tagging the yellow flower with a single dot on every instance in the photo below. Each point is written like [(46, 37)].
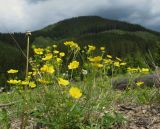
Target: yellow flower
[(14, 81), (109, 56), (43, 81), (98, 65), (117, 64), (30, 73), (62, 54), (72, 45), (68, 43), (133, 70), (102, 48), (73, 65), (54, 46), (39, 51), (95, 59), (59, 60), (55, 52), (63, 82), (75, 92), (12, 71), (118, 59), (47, 69), (139, 83), (91, 48), (123, 63), (107, 61), (32, 84), (144, 70), (35, 73), (24, 83), (47, 57)]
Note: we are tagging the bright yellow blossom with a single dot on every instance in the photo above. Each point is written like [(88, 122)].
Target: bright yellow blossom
[(117, 64), (14, 82), (43, 81), (91, 48), (98, 65), (39, 51), (95, 59), (62, 54), (68, 43), (109, 56), (133, 70), (32, 84), (139, 83), (12, 71), (47, 69), (24, 83), (63, 82), (118, 59), (47, 57), (75, 92), (73, 65), (59, 60), (55, 51), (72, 45), (102, 48), (107, 61), (123, 63), (144, 70)]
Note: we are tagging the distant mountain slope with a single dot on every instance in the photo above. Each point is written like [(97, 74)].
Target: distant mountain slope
[(85, 25)]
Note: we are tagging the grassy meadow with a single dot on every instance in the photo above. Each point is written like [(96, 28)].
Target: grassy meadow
[(74, 90)]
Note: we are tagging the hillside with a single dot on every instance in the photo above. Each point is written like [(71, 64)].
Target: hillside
[(85, 25), (121, 39)]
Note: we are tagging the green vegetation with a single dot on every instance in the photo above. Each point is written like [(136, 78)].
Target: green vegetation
[(64, 91)]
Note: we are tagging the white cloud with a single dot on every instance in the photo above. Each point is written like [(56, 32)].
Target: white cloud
[(22, 15)]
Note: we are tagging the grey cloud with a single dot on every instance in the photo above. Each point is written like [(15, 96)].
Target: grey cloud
[(35, 1), (22, 15)]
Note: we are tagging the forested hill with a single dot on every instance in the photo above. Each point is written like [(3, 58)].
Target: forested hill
[(87, 25), (120, 38)]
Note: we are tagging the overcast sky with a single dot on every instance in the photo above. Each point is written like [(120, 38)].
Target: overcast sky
[(22, 15)]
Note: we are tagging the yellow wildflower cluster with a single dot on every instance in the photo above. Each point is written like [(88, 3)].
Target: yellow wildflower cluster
[(99, 62), (107, 61), (72, 45), (48, 65), (137, 70)]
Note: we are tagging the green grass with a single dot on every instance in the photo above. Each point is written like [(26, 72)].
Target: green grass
[(37, 101)]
